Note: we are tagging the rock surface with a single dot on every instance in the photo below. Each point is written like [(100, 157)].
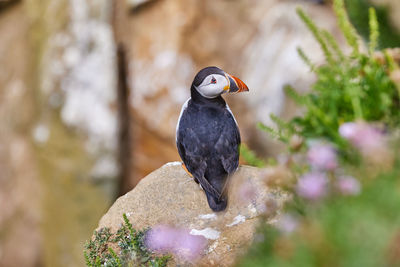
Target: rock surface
[(170, 196)]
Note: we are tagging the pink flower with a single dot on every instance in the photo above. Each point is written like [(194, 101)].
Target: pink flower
[(370, 141), (349, 130), (312, 186), (247, 192), (348, 185), (288, 223), (322, 157), (363, 136), (166, 239), (161, 238)]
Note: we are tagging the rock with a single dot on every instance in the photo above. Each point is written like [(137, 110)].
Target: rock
[(47, 67), (20, 188), (170, 196), (7, 3)]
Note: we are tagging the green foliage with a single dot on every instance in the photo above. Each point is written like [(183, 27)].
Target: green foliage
[(339, 229), (358, 13), (345, 25), (374, 31), (133, 252), (284, 130), (250, 157), (348, 87), (361, 230)]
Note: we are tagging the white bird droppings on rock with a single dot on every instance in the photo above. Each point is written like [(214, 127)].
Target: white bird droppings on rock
[(252, 209), (173, 163), (238, 219), (208, 233), (210, 216), (212, 247)]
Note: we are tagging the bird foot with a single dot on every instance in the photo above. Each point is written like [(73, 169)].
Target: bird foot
[(186, 170), (191, 175)]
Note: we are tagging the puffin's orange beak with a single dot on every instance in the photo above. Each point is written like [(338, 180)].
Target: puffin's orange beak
[(235, 85)]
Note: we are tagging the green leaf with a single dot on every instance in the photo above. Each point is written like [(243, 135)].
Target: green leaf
[(250, 157), (315, 31), (374, 31), (345, 25)]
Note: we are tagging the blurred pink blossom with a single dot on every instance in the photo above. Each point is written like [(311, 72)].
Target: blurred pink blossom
[(287, 223), (247, 192), (322, 157), (167, 239), (312, 186), (363, 136), (348, 185)]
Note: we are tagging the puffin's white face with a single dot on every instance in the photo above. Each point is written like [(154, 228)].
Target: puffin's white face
[(213, 85)]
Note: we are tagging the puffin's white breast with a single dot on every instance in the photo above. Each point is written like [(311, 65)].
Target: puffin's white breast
[(230, 111), (184, 106)]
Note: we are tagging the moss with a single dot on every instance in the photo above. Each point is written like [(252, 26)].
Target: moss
[(130, 243)]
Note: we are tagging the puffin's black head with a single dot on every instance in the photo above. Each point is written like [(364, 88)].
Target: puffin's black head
[(211, 82)]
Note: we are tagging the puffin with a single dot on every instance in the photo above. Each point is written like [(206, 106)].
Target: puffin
[(207, 134)]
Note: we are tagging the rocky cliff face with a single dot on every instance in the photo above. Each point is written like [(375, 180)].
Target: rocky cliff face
[(169, 196), (58, 108), (169, 41), (75, 127), (19, 184), (58, 130), (58, 100)]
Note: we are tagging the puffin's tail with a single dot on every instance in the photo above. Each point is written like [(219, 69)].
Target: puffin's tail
[(216, 204)]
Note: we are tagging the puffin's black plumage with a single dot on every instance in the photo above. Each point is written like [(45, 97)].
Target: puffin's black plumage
[(208, 141)]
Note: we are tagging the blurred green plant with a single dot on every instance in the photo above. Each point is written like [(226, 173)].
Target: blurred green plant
[(358, 14), (361, 230), (133, 252), (250, 157), (335, 219), (350, 87)]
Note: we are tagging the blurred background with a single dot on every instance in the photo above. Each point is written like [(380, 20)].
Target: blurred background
[(90, 93)]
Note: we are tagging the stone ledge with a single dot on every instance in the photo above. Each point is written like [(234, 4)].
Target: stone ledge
[(170, 196)]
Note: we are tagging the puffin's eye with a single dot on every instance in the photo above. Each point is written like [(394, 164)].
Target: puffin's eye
[(213, 80)]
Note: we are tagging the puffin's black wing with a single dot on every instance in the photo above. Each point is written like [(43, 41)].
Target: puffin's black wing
[(228, 144), (222, 146), (189, 147)]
